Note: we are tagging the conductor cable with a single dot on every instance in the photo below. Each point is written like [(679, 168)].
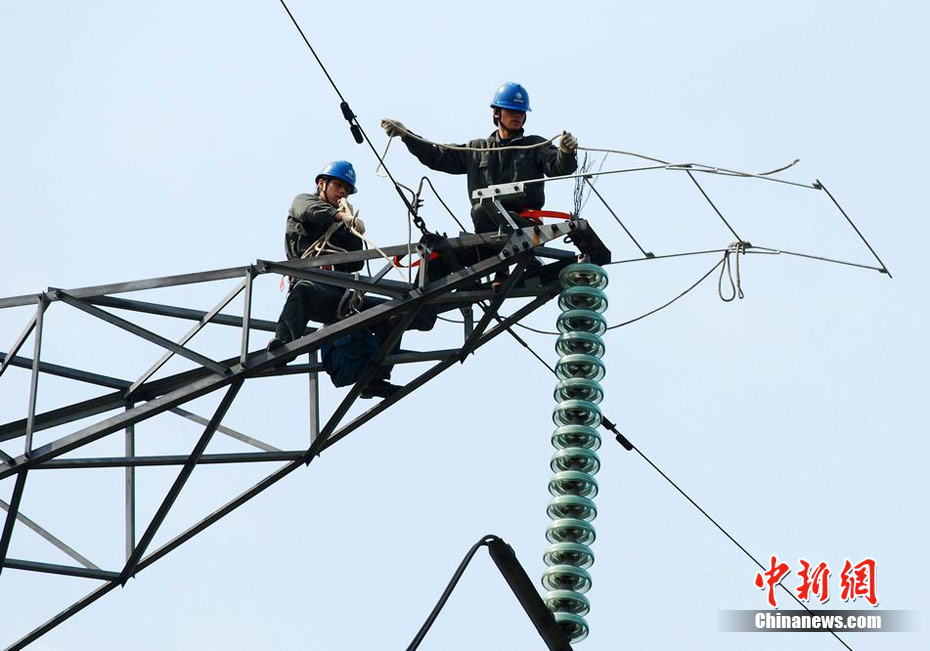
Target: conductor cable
[(357, 131)]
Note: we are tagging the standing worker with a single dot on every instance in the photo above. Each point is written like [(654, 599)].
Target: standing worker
[(524, 162), (324, 223)]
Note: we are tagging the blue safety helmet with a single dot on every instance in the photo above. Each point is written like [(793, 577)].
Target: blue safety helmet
[(511, 96), (342, 170)]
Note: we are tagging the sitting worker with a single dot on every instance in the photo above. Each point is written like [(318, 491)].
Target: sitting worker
[(522, 162), (326, 223)]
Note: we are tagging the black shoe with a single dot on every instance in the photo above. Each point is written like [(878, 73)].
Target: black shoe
[(425, 319), (274, 344), (379, 389)]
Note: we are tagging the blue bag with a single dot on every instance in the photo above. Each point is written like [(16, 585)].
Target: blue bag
[(345, 358)]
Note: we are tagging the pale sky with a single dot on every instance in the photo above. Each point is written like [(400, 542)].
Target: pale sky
[(143, 140)]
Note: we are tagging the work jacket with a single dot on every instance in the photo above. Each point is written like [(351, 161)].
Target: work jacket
[(308, 220), (486, 168)]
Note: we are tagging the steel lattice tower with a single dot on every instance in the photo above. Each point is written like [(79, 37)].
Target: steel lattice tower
[(454, 285)]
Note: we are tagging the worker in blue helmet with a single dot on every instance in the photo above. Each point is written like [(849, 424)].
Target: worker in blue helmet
[(313, 215), (509, 108), (325, 222)]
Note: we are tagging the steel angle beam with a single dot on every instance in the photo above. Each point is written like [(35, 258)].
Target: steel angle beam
[(254, 442), (63, 570), (171, 460), (159, 309), (393, 288), (505, 290), (179, 482), (70, 611), (245, 284), (54, 540), (457, 299), (139, 331), (12, 512), (8, 357), (70, 373)]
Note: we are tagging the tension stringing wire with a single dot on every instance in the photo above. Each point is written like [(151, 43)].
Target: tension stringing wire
[(884, 269), (614, 215), (716, 210)]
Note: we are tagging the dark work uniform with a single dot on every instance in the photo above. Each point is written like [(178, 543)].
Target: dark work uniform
[(307, 221), (486, 168)]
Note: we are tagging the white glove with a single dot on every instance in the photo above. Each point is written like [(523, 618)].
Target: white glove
[(350, 217), (352, 222), (568, 144), (346, 207), (393, 127)]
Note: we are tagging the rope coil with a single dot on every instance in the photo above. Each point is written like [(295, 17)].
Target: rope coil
[(726, 267)]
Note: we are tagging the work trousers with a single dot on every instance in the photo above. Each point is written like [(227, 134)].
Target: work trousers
[(309, 301)]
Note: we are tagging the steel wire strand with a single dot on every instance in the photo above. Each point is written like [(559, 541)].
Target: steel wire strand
[(711, 169), (821, 186), (764, 250), (713, 205), (700, 167)]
